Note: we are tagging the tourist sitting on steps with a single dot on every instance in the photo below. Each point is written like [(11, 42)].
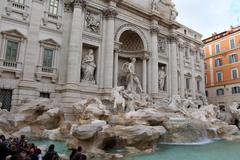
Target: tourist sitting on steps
[(78, 154), (51, 154)]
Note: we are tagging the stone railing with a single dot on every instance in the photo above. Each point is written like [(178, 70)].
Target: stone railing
[(11, 66), (52, 18), (48, 72)]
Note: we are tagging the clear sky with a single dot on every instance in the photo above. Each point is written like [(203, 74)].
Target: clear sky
[(208, 16)]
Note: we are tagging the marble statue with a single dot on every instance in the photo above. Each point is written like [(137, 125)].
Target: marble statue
[(132, 78), (155, 5), (88, 67), (173, 14), (118, 97), (161, 78), (92, 22), (161, 45)]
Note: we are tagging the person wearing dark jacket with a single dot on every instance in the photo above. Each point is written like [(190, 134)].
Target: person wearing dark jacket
[(51, 154)]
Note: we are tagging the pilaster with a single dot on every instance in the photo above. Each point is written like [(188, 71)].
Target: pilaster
[(193, 85), (75, 43), (109, 16), (154, 59), (173, 63), (33, 41), (181, 56)]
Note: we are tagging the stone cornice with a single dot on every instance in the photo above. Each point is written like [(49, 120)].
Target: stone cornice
[(110, 13)]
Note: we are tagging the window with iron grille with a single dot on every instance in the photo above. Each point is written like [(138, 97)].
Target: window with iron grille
[(236, 90), (44, 95), (6, 98), (220, 91)]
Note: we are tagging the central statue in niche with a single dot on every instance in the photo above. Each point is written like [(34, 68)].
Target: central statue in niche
[(132, 79), (88, 67)]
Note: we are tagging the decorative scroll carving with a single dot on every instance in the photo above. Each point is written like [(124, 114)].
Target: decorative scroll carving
[(92, 22)]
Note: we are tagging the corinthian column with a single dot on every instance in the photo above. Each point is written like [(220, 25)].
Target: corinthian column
[(154, 61), (107, 80), (75, 43), (173, 63)]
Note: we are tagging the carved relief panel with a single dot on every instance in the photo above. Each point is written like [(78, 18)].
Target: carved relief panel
[(92, 22), (162, 45)]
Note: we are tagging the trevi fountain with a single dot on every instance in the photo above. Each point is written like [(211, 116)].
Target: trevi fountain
[(125, 89)]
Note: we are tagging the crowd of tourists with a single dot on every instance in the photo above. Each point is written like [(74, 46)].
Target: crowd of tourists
[(18, 148)]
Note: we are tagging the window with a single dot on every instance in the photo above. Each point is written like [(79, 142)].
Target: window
[(53, 6), (220, 91), (205, 65), (218, 62), (198, 85), (233, 58), (48, 58), (6, 98), (186, 52), (187, 83), (44, 95), (20, 1), (234, 73), (235, 90), (218, 48), (11, 51), (232, 43), (219, 76), (206, 93)]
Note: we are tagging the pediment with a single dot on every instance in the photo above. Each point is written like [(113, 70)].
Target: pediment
[(50, 41), (13, 33)]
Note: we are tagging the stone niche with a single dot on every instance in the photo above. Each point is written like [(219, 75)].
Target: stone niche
[(162, 77), (122, 76), (89, 64)]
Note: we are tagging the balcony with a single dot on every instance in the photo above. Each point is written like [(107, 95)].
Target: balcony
[(11, 66), (53, 19), (47, 72), (17, 8), (188, 93)]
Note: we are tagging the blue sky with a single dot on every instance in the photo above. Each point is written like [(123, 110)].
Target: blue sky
[(208, 16)]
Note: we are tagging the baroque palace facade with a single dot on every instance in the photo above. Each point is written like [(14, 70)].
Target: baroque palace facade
[(68, 50), (222, 55)]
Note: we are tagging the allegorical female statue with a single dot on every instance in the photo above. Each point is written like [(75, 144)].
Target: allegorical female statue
[(161, 78), (88, 67)]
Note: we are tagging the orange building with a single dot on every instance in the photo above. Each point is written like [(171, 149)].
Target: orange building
[(222, 66)]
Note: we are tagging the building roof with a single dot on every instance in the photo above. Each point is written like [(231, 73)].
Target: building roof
[(216, 36)]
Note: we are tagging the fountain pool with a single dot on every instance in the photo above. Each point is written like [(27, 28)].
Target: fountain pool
[(60, 146), (218, 150)]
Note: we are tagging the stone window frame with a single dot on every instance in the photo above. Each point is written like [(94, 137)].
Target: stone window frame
[(219, 91), (217, 78), (217, 51), (236, 56), (198, 79), (49, 44), (15, 36), (188, 76), (230, 43), (234, 69), (47, 71)]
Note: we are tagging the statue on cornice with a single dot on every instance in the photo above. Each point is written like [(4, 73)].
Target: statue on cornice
[(155, 5), (168, 3)]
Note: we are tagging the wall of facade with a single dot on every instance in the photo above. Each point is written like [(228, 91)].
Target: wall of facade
[(54, 43), (228, 63)]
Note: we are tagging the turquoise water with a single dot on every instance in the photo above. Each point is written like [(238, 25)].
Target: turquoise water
[(60, 147), (218, 150)]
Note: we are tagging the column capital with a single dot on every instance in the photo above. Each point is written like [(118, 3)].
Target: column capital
[(80, 3), (110, 13), (154, 29), (145, 56), (172, 38), (68, 7)]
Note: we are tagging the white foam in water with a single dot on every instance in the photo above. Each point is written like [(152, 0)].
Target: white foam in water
[(203, 142)]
